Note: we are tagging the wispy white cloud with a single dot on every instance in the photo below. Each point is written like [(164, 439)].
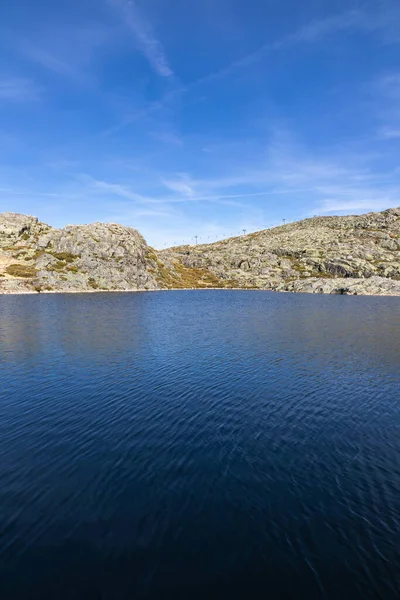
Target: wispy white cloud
[(15, 89), (67, 51), (144, 36), (48, 60), (390, 133), (30, 193), (310, 33), (389, 86), (341, 181), (183, 185), (114, 189), (386, 96), (321, 28), (358, 204), (142, 113), (285, 179), (384, 21)]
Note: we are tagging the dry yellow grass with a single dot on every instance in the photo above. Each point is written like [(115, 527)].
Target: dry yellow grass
[(181, 277), (17, 270)]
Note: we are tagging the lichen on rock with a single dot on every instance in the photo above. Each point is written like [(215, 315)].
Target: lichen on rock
[(342, 255)]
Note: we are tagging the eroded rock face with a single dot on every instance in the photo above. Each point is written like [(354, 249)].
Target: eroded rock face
[(14, 226), (338, 255), (99, 256)]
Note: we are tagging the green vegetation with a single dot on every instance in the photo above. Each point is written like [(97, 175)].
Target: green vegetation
[(93, 283), (12, 248), (66, 257), (151, 254), (18, 270), (25, 236), (39, 288), (181, 277), (58, 266)]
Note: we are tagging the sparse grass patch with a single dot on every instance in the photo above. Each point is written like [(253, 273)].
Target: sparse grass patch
[(182, 277), (17, 270), (73, 269), (66, 257), (58, 266), (12, 248), (93, 283), (25, 236), (151, 254)]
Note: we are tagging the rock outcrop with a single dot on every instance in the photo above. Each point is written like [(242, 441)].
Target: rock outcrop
[(334, 255), (34, 256)]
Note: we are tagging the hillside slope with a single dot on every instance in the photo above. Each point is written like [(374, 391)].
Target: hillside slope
[(351, 254)]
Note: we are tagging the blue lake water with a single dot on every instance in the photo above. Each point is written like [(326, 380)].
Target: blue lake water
[(199, 444)]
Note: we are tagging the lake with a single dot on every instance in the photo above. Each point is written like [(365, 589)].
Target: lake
[(199, 444)]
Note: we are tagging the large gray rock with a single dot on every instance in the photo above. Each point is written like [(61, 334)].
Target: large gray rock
[(98, 256)]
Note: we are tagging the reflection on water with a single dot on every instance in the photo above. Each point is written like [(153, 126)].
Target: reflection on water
[(199, 444)]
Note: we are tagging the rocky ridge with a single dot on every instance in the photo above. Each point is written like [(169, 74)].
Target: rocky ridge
[(349, 255), (342, 255)]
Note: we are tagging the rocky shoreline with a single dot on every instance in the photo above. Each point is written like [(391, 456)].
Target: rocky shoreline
[(351, 255)]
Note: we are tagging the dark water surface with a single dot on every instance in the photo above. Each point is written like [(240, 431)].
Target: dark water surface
[(209, 444)]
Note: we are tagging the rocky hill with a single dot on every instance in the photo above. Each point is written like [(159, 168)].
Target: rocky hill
[(34, 256), (345, 255), (351, 254)]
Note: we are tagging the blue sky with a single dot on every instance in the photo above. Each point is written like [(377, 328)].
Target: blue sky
[(198, 117)]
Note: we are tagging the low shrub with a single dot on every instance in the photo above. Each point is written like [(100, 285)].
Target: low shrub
[(67, 257), (20, 271), (93, 283)]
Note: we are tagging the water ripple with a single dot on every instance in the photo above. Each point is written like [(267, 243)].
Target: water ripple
[(211, 444)]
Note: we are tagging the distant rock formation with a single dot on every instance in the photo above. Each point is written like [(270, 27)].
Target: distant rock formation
[(349, 255), (334, 255)]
